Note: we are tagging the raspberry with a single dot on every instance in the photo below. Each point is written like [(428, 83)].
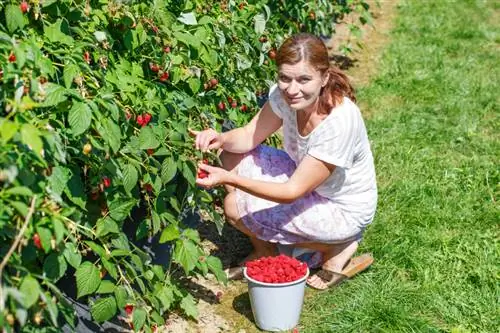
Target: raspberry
[(37, 241), (106, 182)]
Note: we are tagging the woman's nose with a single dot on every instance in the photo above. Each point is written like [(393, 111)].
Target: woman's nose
[(293, 88)]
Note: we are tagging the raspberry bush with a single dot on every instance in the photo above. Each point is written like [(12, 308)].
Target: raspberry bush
[(96, 99)]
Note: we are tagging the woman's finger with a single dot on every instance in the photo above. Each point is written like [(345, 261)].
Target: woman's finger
[(193, 133)]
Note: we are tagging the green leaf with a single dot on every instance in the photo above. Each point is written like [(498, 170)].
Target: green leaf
[(194, 85), (30, 290), (106, 287), (54, 34), (58, 180), (21, 207), (70, 72), (55, 94), (119, 209), (139, 318), (110, 267), (51, 307), (59, 229), (105, 226), (96, 248), (166, 297), (187, 39), (147, 139), (259, 24), (8, 129), (189, 172), (87, 279), (55, 266), (45, 237), (31, 137), (130, 177), (112, 134), (168, 170), (121, 296), (14, 17), (19, 190), (76, 192), (186, 254), (188, 18), (188, 305), (80, 117), (156, 222), (170, 233), (215, 266), (73, 257), (103, 309)]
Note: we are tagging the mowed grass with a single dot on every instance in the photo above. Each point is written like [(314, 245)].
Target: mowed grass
[(434, 127)]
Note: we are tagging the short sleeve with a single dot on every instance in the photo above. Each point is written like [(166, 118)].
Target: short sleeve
[(276, 101), (334, 143)]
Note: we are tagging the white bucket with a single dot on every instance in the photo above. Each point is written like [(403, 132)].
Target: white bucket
[(276, 306)]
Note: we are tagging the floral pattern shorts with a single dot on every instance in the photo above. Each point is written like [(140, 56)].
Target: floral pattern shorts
[(312, 218)]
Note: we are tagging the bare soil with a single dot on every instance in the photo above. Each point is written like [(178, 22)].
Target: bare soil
[(232, 311)]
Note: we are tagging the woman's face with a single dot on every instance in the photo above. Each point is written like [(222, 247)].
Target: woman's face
[(300, 84)]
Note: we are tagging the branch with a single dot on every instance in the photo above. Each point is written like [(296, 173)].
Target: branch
[(14, 246)]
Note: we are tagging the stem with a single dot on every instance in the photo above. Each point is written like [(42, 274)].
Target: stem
[(14, 246)]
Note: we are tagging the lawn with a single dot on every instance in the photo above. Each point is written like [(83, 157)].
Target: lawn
[(432, 116)]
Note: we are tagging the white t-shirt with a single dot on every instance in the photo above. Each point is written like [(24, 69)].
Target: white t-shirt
[(340, 139)]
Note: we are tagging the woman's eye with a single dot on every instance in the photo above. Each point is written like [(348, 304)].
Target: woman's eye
[(304, 80), (284, 79)]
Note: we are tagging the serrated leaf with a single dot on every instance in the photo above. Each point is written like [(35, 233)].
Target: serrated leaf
[(75, 191), (121, 296), (73, 257), (71, 70), (106, 287), (170, 233), (105, 226), (30, 290), (110, 267), (103, 309), (147, 139), (14, 17), (189, 172), (119, 209), (166, 297), (51, 307), (55, 94), (259, 24), (58, 179), (8, 129), (138, 318), (130, 177), (168, 170), (19, 190), (54, 34), (55, 266), (215, 266), (87, 279), (59, 229), (31, 137), (80, 117), (186, 254), (113, 134), (189, 306), (45, 237)]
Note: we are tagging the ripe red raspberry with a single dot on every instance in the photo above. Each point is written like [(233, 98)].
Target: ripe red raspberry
[(24, 7), (86, 57), (234, 104), (221, 106), (148, 187), (164, 76), (214, 82), (129, 308), (106, 181), (146, 118), (202, 174), (12, 57), (166, 49), (150, 151), (154, 67), (243, 108), (140, 120), (37, 241)]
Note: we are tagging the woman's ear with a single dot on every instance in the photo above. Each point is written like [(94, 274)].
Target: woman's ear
[(326, 78)]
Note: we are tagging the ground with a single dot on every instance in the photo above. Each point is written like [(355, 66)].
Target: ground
[(232, 311)]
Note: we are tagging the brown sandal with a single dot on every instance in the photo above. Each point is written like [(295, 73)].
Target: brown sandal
[(353, 267)]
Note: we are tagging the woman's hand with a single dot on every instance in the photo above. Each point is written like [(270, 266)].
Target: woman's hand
[(210, 176), (206, 140)]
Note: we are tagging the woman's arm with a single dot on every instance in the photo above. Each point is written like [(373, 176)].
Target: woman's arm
[(310, 173), (244, 139)]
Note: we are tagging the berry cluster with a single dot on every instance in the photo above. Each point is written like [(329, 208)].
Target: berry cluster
[(202, 173), (280, 269), (144, 119)]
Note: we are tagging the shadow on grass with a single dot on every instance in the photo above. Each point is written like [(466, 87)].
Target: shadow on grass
[(241, 304)]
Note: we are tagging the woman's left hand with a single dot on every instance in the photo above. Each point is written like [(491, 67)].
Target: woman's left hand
[(216, 176)]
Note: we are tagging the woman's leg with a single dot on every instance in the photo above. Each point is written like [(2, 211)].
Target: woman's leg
[(335, 257), (261, 248), (230, 162)]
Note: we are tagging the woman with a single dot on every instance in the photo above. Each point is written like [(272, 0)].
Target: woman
[(319, 193)]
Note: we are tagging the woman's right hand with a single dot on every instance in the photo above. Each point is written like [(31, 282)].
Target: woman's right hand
[(207, 139)]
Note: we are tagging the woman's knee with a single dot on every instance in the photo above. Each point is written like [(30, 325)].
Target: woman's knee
[(230, 208)]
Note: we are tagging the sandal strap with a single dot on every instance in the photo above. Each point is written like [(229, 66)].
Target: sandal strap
[(330, 277)]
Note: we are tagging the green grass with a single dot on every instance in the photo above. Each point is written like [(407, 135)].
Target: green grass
[(434, 128)]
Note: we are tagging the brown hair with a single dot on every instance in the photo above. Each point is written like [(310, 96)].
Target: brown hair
[(312, 50)]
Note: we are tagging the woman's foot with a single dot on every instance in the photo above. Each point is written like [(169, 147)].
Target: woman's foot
[(335, 259)]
